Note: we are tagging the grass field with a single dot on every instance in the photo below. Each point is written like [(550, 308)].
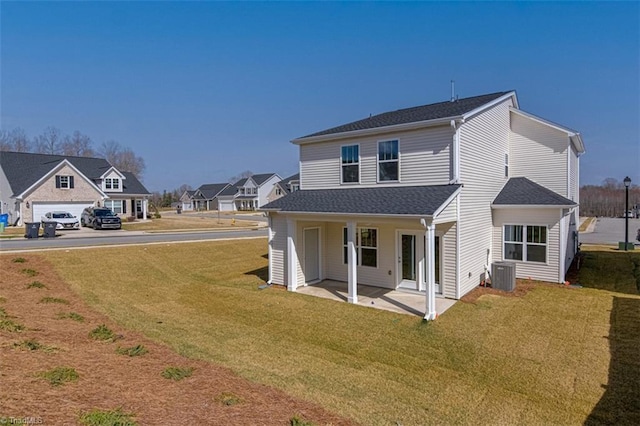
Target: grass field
[(557, 355)]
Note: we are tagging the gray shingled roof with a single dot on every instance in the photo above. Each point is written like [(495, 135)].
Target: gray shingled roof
[(403, 200), (284, 183), (262, 178), (520, 191), (23, 169), (411, 115), (211, 190)]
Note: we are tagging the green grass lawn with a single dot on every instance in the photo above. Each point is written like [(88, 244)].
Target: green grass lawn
[(544, 358)]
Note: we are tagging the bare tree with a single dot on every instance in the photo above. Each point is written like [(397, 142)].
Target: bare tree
[(123, 159), (14, 140), (50, 141), (77, 144), (608, 199), (245, 174)]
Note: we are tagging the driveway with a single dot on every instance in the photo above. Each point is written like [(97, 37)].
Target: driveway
[(610, 230)]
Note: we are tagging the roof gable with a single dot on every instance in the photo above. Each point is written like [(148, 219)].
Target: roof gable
[(212, 190), (520, 191), (440, 110), (24, 169)]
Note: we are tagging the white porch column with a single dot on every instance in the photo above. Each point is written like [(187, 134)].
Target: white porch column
[(430, 260), (292, 269), (144, 208), (352, 261)]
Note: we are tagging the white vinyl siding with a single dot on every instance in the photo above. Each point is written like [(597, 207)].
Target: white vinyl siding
[(278, 249), (484, 140), (449, 247), (425, 159), (449, 214), (539, 152), (543, 217), (574, 176)]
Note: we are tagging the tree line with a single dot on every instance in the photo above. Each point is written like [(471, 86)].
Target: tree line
[(607, 199), (53, 141)]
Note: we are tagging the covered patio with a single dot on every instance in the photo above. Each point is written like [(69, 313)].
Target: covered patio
[(400, 301)]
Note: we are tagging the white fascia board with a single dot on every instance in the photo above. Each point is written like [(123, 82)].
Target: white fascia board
[(333, 214), (491, 104), (533, 206), (51, 172), (447, 202), (575, 136), (112, 169), (375, 130)]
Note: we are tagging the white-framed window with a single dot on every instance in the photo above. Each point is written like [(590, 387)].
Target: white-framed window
[(366, 247), (527, 243), (64, 182), (295, 187), (112, 183), (506, 165), (278, 191), (388, 161), (114, 205), (350, 164)]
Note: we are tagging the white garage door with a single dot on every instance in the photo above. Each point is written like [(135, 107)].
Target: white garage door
[(226, 206), (40, 209)]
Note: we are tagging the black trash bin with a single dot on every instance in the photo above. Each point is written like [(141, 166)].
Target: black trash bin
[(31, 229), (49, 229)]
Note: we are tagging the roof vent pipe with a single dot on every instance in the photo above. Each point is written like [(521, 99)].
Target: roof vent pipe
[(453, 91)]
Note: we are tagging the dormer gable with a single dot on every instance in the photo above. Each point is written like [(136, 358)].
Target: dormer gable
[(112, 180)]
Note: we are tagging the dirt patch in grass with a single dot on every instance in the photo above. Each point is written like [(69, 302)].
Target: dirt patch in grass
[(522, 288), (107, 380)]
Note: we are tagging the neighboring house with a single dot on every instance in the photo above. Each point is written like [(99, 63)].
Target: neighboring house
[(248, 194), (203, 198), (186, 200), (427, 198), (284, 187), (34, 184)]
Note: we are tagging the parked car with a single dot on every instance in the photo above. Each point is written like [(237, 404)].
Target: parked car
[(100, 218), (65, 220)]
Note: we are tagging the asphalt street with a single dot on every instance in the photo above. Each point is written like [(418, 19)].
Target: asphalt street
[(111, 238), (611, 231)]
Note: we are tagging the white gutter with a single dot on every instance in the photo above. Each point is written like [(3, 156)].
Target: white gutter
[(533, 206), (382, 215)]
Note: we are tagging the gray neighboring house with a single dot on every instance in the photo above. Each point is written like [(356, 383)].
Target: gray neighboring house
[(203, 198), (428, 198), (34, 184), (248, 194)]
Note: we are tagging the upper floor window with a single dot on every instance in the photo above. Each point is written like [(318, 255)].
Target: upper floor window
[(388, 163), (278, 191), (525, 242), (112, 183), (295, 187), (350, 164), (64, 181)]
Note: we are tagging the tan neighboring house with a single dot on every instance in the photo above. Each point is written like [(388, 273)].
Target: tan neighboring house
[(284, 187), (428, 198), (34, 184)]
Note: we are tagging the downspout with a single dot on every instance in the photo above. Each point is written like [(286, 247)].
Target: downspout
[(455, 125)]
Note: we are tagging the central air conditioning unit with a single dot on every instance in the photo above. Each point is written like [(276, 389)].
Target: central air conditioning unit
[(503, 276)]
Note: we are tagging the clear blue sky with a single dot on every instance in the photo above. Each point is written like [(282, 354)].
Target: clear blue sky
[(204, 91)]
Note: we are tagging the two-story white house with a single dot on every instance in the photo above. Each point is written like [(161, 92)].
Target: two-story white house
[(249, 193), (427, 198)]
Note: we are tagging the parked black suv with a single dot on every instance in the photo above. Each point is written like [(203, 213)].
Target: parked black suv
[(100, 218)]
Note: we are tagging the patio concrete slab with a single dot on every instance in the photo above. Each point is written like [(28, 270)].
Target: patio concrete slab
[(400, 301)]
